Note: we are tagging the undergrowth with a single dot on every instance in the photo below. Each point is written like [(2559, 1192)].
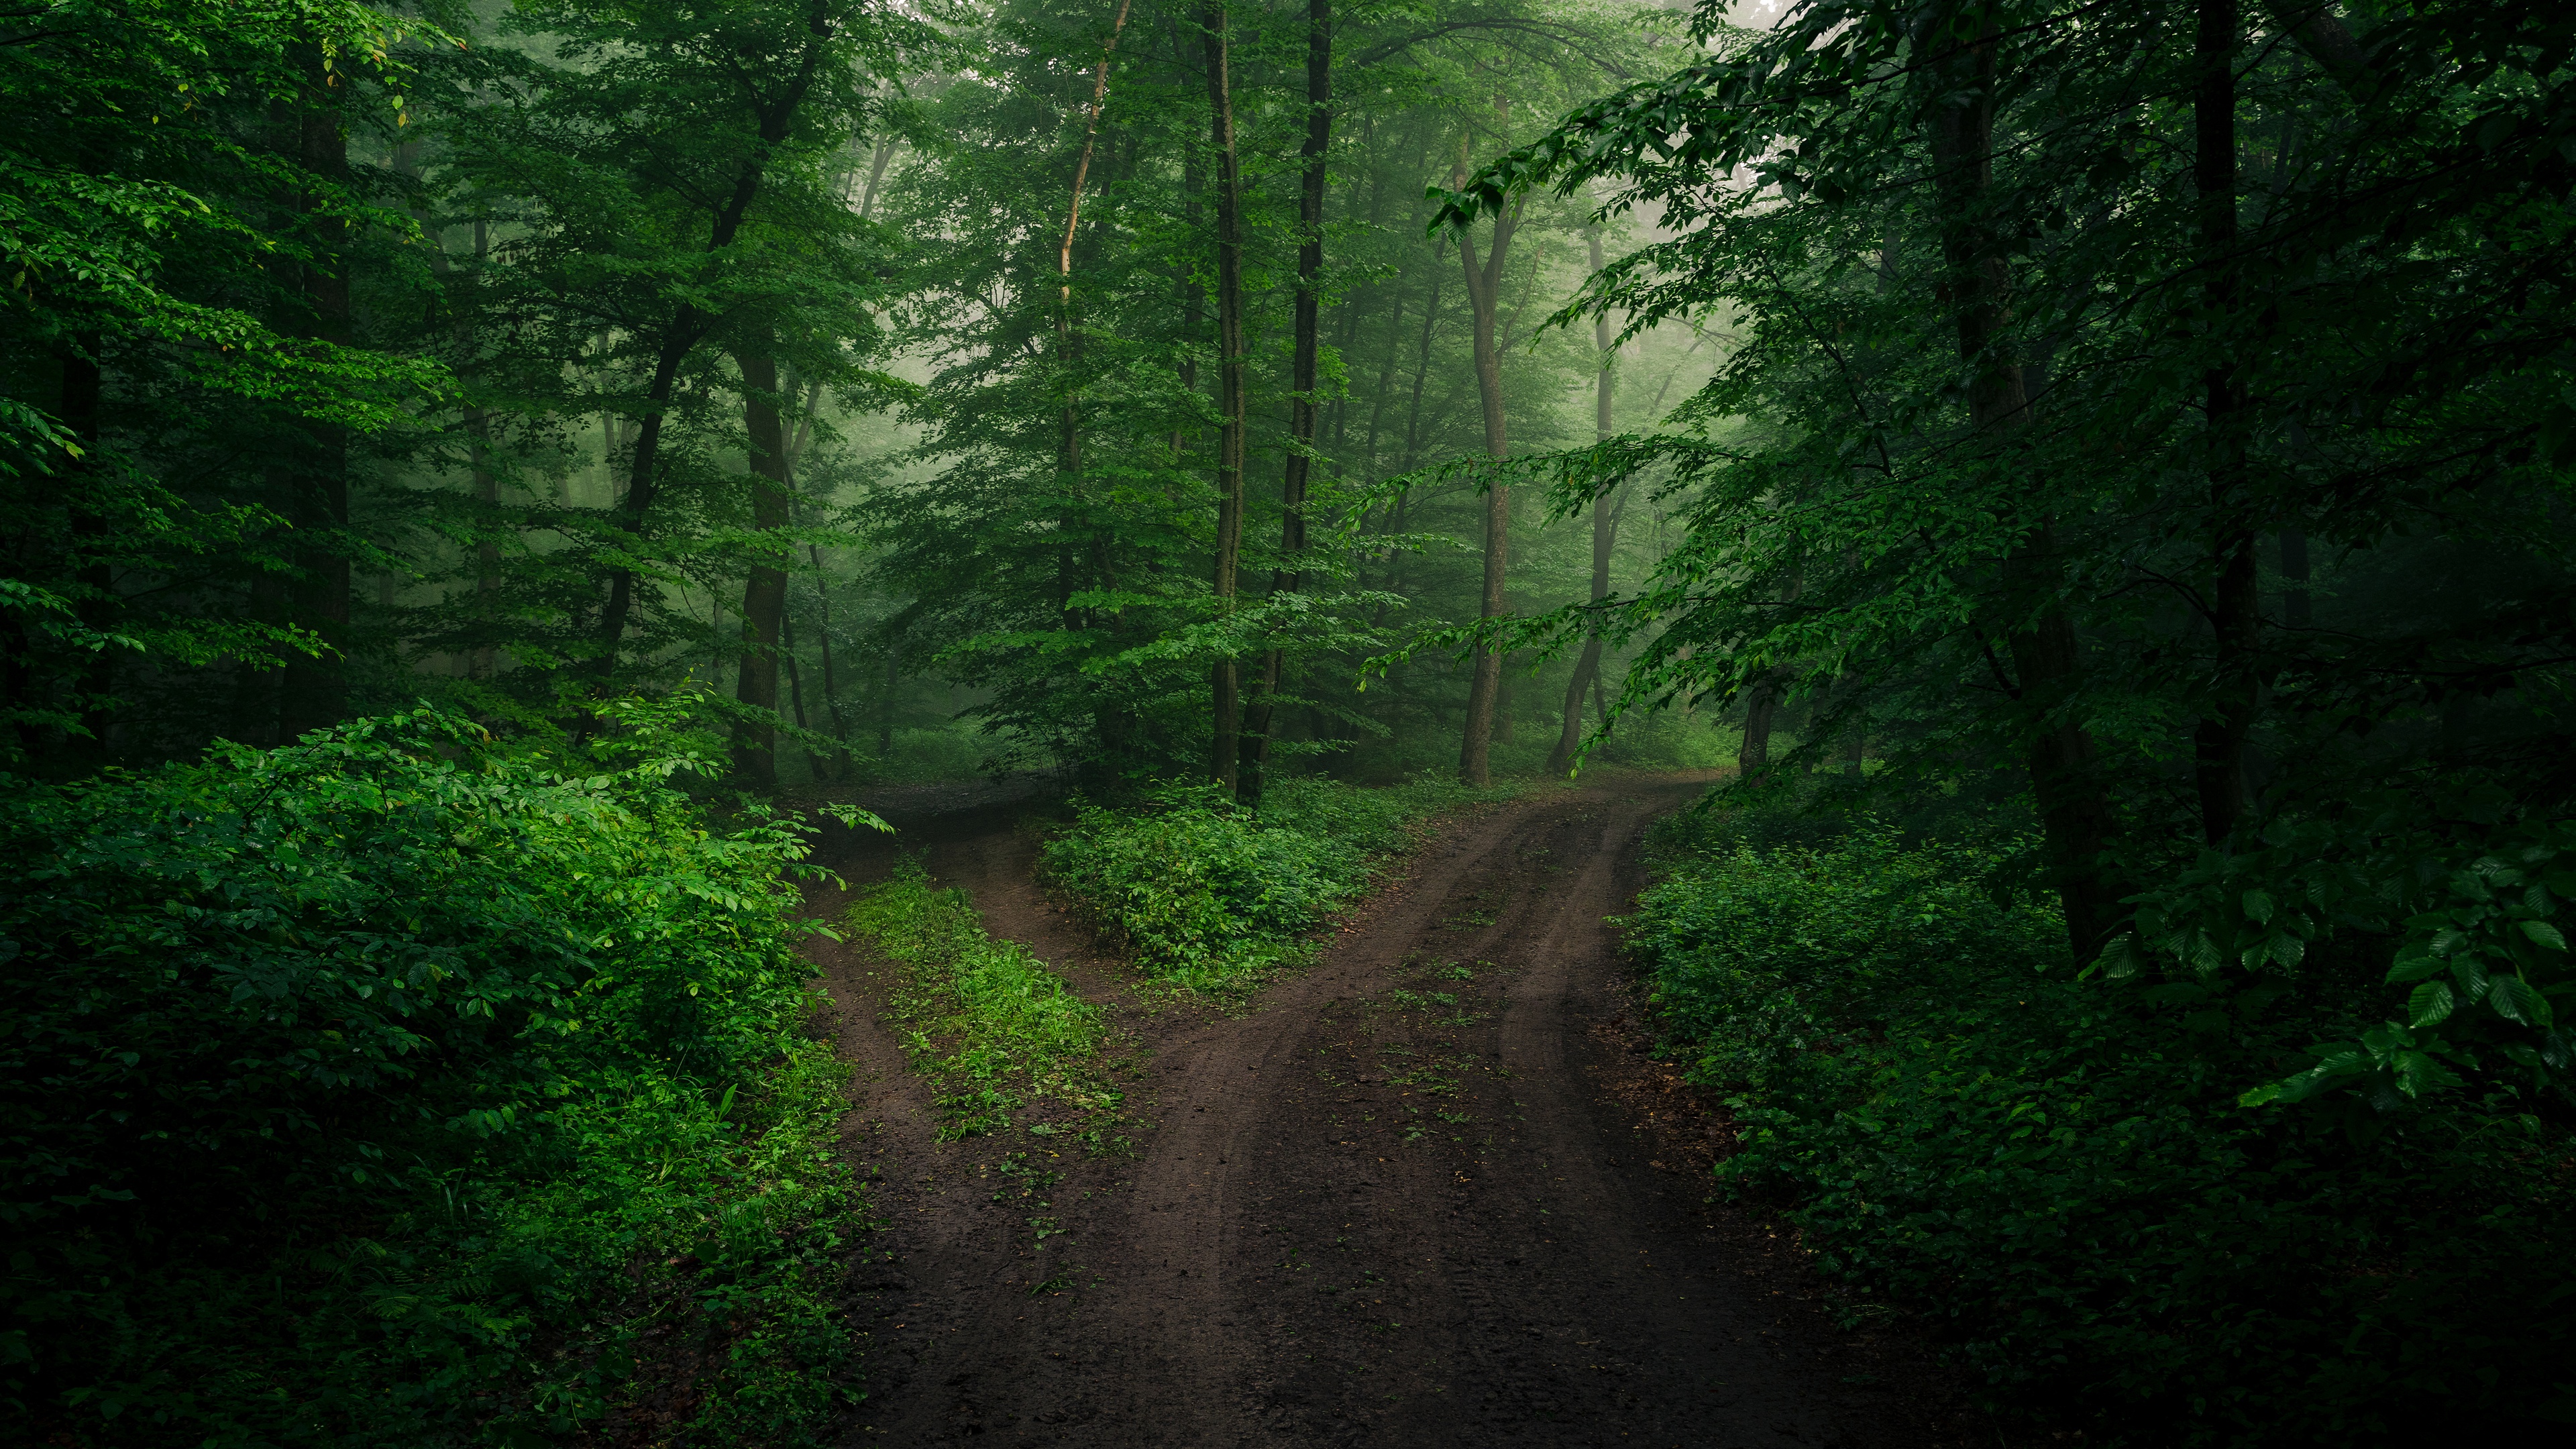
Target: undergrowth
[(393, 1089), (2055, 1172), (1212, 897), (983, 1019)]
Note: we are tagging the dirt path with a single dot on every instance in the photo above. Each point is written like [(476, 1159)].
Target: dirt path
[(1406, 1201)]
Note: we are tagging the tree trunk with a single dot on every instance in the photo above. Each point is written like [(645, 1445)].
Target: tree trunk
[(1484, 289), (1422, 363), (2219, 742), (2075, 816), (316, 694), (83, 390), (1230, 387), (885, 703), (1302, 382), (764, 596), (1605, 531), (687, 327), (1753, 756)]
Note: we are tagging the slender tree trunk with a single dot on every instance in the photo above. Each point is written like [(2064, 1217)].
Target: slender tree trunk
[(688, 326), (1422, 363), (1302, 382), (83, 392), (1484, 288), (316, 693), (2076, 818), (1569, 734), (885, 702), (1230, 387), (484, 662), (2220, 741), (764, 596)]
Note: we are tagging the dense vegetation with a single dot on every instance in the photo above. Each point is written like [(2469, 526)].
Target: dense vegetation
[(2059, 1179), (395, 1088), (1206, 894), (2126, 448)]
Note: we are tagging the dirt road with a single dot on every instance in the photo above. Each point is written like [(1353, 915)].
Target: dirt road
[(1430, 1191)]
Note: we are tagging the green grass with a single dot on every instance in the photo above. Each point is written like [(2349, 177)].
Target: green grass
[(984, 1020), (1212, 898)]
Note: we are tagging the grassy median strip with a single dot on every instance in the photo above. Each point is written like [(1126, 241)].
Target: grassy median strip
[(984, 1020), (1207, 895)]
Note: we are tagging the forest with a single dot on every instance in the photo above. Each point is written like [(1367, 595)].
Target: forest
[(687, 688)]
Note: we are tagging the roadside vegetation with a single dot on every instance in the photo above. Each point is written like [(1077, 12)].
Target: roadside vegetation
[(989, 1025), (1206, 894), (2053, 1170), (398, 1088)]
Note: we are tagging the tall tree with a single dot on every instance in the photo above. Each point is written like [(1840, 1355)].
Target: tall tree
[(1484, 302), (1228, 185), (764, 598), (1302, 379), (1605, 534)]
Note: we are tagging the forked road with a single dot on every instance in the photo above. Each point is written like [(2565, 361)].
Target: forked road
[(1401, 1202)]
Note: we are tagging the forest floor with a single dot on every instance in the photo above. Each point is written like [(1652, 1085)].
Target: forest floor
[(1433, 1189)]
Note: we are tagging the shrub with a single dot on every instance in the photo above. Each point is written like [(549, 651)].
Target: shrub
[(389, 1088), (2057, 1174), (1211, 896)]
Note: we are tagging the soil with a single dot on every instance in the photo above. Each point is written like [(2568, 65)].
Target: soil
[(1434, 1189)]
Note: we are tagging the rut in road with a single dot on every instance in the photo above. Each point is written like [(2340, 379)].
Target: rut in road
[(1399, 1202)]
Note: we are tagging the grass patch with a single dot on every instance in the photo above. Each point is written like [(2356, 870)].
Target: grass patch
[(984, 1020), (1211, 897), (2056, 1174)]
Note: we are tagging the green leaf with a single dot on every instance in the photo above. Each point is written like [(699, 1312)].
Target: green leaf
[(2514, 1000), (2258, 906), (2419, 1075), (2414, 968), (2430, 1003), (2471, 973), (2545, 934)]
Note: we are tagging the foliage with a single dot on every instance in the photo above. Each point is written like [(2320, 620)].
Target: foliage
[(984, 1019), (2078, 458), (391, 1087), (1211, 896), (2054, 1172)]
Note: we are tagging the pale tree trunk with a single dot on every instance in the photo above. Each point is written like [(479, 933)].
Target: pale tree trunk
[(2075, 816), (1605, 535), (764, 596), (1484, 291), (1302, 381), (1224, 677)]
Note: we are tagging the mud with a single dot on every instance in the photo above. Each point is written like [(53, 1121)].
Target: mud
[(1433, 1190)]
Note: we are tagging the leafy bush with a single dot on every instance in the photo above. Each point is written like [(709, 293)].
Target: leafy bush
[(2058, 1173), (391, 1089), (989, 1022), (1211, 896)]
